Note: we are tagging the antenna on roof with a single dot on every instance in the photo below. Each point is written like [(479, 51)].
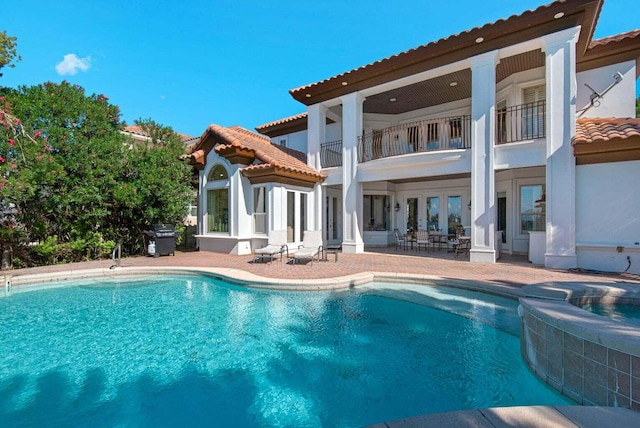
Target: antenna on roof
[(595, 96)]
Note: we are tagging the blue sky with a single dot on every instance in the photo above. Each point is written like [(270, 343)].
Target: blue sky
[(190, 63)]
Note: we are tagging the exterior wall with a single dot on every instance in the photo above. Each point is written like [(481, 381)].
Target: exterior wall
[(615, 103), (295, 140), (608, 216)]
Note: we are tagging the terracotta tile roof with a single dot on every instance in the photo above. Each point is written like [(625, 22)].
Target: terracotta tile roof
[(614, 39), (602, 130), (223, 139), (492, 35), (137, 130), (281, 121)]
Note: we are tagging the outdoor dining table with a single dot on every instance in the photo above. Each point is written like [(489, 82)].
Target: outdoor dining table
[(438, 235)]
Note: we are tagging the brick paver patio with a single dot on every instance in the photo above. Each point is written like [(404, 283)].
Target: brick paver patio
[(510, 271)]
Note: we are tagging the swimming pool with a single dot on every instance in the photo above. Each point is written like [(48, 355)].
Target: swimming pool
[(198, 351)]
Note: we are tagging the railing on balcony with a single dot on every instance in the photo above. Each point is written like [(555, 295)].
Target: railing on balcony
[(331, 154), (521, 123), (423, 136)]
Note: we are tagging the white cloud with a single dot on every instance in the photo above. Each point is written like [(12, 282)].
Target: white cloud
[(71, 64)]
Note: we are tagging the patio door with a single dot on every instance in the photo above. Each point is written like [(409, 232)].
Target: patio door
[(333, 217)]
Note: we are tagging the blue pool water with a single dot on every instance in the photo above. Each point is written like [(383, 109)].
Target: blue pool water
[(196, 351), (617, 312)]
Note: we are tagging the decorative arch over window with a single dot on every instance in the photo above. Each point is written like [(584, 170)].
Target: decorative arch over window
[(218, 172)]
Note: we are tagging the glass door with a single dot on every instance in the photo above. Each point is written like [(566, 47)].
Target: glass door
[(333, 218), (413, 216), (433, 213), (454, 214)]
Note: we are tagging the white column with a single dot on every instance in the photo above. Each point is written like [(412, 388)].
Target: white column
[(483, 183), (351, 187), (561, 93), (316, 126)]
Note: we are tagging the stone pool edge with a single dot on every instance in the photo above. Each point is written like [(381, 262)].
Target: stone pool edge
[(589, 358)]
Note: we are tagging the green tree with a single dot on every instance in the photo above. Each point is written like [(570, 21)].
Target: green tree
[(8, 52), (74, 183), (638, 107)]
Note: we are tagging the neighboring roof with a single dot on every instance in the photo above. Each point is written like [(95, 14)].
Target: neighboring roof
[(599, 140), (137, 130), (265, 162), (502, 33)]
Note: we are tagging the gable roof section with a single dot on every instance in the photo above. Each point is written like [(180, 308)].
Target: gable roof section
[(601, 140), (611, 50), (502, 33), (266, 162)]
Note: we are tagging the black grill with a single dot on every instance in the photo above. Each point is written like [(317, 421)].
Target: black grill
[(165, 239)]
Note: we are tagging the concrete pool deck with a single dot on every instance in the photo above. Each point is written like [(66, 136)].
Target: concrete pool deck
[(507, 277)]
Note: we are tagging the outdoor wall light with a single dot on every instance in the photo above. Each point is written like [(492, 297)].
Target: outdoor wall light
[(397, 206), (469, 205)]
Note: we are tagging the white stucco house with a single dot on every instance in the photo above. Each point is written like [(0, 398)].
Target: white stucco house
[(521, 130)]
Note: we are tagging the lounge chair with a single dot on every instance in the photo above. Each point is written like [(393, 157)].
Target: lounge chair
[(311, 247), (277, 244)]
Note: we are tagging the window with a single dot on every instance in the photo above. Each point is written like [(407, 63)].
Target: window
[(218, 172), (501, 121), (217, 215), (433, 213), (303, 211), (454, 214), (533, 112), (218, 210), (193, 207), (291, 217), (376, 212), (259, 210), (283, 142), (532, 209)]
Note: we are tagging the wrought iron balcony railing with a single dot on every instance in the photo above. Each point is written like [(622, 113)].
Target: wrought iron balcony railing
[(423, 136), (521, 123), (331, 154)]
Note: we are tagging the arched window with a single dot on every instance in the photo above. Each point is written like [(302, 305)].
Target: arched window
[(218, 172), (217, 208)]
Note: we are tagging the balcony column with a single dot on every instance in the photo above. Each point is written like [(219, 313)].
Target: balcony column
[(483, 183), (560, 123), (351, 188), (316, 126)]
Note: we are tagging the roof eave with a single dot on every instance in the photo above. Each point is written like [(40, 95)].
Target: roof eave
[(499, 34)]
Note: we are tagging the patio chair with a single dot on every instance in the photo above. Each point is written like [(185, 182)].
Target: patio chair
[(422, 238), (400, 241), (311, 247), (277, 244)]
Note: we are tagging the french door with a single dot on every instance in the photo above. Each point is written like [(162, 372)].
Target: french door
[(333, 217)]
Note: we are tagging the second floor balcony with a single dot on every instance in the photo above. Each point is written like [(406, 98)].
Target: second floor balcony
[(512, 124), (422, 136)]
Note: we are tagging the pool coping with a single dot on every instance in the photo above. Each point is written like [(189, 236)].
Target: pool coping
[(244, 278)]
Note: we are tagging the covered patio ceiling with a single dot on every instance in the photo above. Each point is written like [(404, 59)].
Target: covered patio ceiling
[(443, 89)]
